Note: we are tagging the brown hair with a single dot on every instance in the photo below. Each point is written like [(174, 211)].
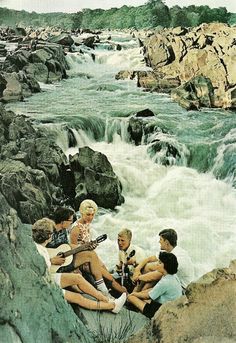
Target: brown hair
[(42, 230)]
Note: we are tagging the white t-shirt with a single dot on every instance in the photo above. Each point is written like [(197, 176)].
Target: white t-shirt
[(138, 257), (185, 266), (43, 252), (56, 277)]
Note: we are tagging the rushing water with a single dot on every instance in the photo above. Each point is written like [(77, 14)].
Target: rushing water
[(96, 107)]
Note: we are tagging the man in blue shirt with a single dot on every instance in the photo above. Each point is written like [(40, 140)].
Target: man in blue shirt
[(167, 289)]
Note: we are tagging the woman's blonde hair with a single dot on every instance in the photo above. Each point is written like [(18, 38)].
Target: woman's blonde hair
[(87, 206), (42, 230)]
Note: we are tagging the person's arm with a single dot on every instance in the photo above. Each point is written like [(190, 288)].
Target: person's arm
[(74, 234), (58, 260), (151, 276), (141, 265)]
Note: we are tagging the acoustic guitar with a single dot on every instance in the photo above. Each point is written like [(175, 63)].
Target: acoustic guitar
[(64, 250)]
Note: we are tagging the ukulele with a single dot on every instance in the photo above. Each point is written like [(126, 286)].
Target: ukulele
[(64, 250)]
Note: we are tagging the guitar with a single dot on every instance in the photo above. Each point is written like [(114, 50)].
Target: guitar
[(64, 250)]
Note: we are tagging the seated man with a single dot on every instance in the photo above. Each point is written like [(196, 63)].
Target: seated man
[(167, 289), (130, 256), (63, 218), (168, 242), (42, 231)]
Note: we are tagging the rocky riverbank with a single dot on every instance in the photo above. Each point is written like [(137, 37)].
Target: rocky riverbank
[(196, 65), (205, 315)]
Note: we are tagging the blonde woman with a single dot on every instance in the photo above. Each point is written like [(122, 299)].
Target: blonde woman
[(81, 230), (81, 233)]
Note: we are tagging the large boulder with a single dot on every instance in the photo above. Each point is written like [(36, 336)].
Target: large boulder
[(62, 39), (205, 315), (95, 179)]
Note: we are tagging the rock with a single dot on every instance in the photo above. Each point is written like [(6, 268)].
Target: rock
[(38, 71), (196, 93), (136, 130), (145, 113), (112, 328), (95, 179), (181, 55), (90, 41), (125, 74), (62, 39), (205, 315)]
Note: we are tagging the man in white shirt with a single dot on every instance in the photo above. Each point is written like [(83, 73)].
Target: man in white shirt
[(130, 256), (168, 242)]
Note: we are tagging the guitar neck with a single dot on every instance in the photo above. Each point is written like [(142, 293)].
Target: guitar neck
[(73, 251)]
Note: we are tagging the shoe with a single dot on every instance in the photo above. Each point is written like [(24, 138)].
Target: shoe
[(119, 303)]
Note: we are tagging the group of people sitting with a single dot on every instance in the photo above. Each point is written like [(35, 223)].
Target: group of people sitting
[(145, 283)]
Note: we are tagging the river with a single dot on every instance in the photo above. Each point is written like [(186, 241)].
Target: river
[(187, 195)]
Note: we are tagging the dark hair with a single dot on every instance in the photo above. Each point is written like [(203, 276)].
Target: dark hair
[(170, 262), (170, 235), (62, 214)]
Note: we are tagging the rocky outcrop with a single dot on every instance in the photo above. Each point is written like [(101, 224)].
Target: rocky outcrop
[(35, 174), (35, 60), (205, 315), (207, 51), (95, 179)]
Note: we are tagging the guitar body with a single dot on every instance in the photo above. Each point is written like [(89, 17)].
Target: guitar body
[(56, 251)]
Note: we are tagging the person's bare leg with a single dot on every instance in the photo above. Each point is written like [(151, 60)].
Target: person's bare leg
[(89, 304), (69, 279), (136, 302), (115, 285)]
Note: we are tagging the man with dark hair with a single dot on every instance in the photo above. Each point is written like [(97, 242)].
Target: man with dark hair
[(167, 289), (168, 242)]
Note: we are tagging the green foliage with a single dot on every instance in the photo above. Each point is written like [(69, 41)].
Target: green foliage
[(151, 15)]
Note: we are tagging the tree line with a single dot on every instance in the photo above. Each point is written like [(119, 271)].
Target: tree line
[(154, 14)]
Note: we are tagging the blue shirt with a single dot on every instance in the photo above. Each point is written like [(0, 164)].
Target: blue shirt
[(167, 289)]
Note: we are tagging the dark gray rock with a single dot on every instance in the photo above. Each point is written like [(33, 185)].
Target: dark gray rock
[(95, 179), (62, 39)]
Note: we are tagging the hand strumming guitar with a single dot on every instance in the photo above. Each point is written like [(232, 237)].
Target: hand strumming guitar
[(58, 260)]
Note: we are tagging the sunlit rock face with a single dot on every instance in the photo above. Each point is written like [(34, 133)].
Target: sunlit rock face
[(205, 315), (207, 50)]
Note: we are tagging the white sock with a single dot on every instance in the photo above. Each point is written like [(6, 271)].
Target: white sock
[(101, 286)]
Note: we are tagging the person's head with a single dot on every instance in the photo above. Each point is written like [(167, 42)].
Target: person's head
[(168, 239), (88, 209), (63, 217), (124, 239), (42, 230), (170, 263)]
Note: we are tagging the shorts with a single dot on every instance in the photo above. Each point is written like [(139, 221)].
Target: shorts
[(57, 279), (150, 309)]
